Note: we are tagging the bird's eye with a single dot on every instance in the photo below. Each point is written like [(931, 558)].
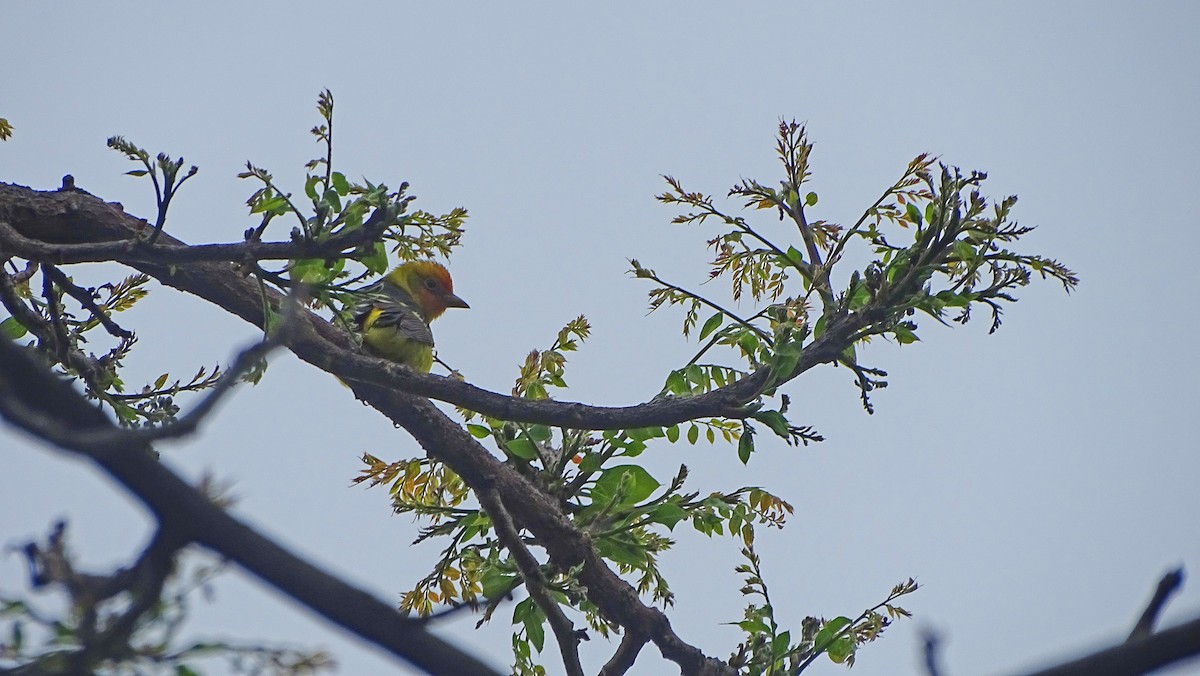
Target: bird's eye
[(431, 284)]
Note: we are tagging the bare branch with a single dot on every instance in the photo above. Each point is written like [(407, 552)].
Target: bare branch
[(626, 654), (1167, 586), (1140, 656)]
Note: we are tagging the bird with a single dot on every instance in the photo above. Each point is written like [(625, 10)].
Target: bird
[(394, 313)]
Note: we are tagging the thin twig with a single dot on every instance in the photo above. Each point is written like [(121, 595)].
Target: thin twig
[(187, 424), (86, 299), (1167, 586)]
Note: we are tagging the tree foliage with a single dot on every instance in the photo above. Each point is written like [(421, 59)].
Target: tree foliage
[(568, 518)]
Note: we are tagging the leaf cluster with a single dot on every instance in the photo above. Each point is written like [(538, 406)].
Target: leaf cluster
[(362, 223), (770, 649), (934, 247), (62, 316), (934, 244), (627, 511)]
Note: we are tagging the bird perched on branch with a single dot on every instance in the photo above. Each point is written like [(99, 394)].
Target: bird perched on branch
[(395, 312)]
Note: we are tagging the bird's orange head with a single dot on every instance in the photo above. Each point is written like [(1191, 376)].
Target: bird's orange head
[(429, 285)]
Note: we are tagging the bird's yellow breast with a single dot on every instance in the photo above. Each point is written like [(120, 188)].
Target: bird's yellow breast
[(389, 342)]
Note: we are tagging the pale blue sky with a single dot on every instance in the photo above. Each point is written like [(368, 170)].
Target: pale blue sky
[(1037, 525)]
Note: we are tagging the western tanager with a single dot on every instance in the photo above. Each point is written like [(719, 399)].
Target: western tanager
[(395, 312)]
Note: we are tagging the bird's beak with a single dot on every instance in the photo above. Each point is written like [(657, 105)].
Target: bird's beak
[(452, 300)]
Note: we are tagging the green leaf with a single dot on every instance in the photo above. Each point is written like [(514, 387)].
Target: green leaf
[(951, 299), (840, 650), (746, 444), (693, 434), (12, 329), (275, 205), (963, 250), (528, 614), (810, 199), (668, 514), (352, 215), (636, 481), (850, 354), (332, 199), (310, 187), (540, 432), (794, 256), (496, 582), (913, 213), (780, 644), (673, 433), (472, 525), (591, 462), (824, 637), (310, 271), (125, 412), (784, 361), (860, 298), (776, 421), (523, 448), (677, 384), (904, 335), (644, 433), (713, 323), (479, 431), (621, 552), (748, 341), (753, 627), (340, 184), (377, 260)]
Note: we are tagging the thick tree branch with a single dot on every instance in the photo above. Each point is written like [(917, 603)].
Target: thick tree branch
[(74, 217), (445, 440), (1139, 656), (54, 219), (31, 397), (626, 654)]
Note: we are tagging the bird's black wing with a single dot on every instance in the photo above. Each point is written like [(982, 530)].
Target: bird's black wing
[(396, 309)]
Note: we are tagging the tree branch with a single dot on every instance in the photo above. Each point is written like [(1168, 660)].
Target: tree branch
[(535, 583), (56, 219), (31, 395), (85, 298), (1167, 586), (626, 654), (1135, 657), (171, 251), (65, 218)]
